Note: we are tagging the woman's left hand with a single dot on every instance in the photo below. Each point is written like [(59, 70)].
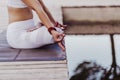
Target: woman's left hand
[(59, 37)]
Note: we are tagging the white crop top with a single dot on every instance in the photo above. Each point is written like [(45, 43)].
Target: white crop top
[(16, 3)]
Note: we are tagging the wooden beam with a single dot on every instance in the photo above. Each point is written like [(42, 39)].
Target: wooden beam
[(92, 19)]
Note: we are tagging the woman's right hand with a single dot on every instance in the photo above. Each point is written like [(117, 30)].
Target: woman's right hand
[(58, 37)]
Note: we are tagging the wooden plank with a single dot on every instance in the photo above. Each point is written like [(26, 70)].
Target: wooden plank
[(33, 79), (92, 20), (96, 29), (6, 52), (94, 13), (46, 66), (41, 70), (47, 53), (31, 63), (28, 74), (29, 71)]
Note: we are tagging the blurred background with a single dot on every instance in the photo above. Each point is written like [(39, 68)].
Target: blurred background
[(88, 41), (55, 8)]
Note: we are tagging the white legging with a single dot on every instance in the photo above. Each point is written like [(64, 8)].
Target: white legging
[(18, 37)]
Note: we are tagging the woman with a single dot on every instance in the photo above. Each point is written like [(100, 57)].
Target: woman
[(22, 33)]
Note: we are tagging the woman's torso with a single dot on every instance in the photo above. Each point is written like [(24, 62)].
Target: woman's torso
[(18, 11)]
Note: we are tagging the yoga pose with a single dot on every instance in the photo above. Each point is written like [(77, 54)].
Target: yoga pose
[(22, 32)]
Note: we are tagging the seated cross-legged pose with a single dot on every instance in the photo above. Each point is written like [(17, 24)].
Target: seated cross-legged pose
[(24, 34)]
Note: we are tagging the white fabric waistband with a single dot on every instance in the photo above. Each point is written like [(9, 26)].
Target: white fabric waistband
[(21, 25)]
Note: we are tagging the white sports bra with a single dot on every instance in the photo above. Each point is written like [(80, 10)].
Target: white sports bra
[(16, 3)]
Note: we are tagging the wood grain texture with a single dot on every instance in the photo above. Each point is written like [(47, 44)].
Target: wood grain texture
[(52, 70)]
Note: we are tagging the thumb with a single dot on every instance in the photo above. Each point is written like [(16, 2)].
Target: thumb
[(61, 37)]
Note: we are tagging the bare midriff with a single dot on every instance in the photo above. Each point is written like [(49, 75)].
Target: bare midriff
[(19, 14)]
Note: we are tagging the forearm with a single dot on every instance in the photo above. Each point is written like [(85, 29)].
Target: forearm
[(47, 12), (34, 4), (44, 18)]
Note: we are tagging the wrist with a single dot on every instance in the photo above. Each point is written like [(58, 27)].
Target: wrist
[(56, 24), (51, 30)]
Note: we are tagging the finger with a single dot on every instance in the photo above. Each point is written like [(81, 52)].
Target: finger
[(61, 45), (60, 37), (63, 26)]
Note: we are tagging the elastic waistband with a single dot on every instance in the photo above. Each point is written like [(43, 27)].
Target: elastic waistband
[(22, 24)]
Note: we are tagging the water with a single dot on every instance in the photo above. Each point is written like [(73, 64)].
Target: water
[(96, 48)]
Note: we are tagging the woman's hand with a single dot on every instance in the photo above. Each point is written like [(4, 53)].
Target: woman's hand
[(61, 26), (58, 37)]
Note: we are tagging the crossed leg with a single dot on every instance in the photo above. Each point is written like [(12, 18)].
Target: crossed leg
[(52, 20)]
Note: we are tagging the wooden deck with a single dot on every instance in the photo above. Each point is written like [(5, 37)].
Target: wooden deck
[(47, 53), (35, 70), (36, 64)]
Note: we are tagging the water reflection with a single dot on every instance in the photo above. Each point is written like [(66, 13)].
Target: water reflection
[(90, 47), (93, 71), (88, 71)]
